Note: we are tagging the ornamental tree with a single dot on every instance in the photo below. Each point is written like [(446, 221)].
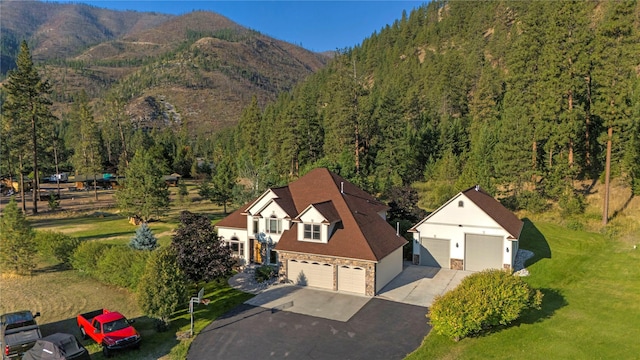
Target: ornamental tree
[(144, 239), (201, 255)]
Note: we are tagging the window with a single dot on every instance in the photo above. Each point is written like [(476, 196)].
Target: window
[(273, 258), (274, 225), (312, 231), (255, 226), (460, 203), (236, 246)]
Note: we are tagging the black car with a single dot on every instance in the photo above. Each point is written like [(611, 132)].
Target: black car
[(58, 346)]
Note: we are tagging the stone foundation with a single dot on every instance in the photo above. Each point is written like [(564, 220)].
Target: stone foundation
[(457, 264)]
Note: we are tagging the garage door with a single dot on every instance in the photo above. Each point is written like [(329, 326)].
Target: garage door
[(482, 252), (351, 279), (435, 252), (311, 274)]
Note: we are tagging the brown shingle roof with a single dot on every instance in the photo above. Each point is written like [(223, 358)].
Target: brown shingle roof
[(495, 210), (363, 234), (236, 219)]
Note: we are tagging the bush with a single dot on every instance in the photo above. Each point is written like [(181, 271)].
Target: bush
[(571, 203), (121, 266), (532, 201), (57, 245), (86, 256), (482, 301), (265, 273)]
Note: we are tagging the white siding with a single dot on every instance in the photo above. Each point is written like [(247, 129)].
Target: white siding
[(453, 222), (388, 268), (241, 234), (313, 216)]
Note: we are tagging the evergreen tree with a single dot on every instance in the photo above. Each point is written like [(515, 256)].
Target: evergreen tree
[(144, 239), (223, 181), (616, 42), (16, 241), (144, 193), (87, 158), (201, 255), (162, 288), (27, 110)]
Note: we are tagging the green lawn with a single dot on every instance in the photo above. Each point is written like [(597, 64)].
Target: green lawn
[(591, 308), (114, 229)]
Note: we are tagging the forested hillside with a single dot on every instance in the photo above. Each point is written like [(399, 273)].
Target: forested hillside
[(195, 71), (523, 98)]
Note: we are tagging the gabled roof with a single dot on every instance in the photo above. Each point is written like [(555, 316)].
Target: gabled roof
[(363, 233), (326, 209), (237, 219), (495, 210), (490, 206)]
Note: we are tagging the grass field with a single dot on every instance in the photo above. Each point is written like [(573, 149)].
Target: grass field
[(591, 307), (60, 294)]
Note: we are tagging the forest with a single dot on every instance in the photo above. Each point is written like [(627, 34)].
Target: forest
[(527, 99)]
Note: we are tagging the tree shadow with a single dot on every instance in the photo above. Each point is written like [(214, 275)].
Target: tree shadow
[(623, 208), (302, 279), (533, 240), (52, 269)]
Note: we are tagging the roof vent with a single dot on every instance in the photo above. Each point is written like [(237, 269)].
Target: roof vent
[(477, 187), (341, 187)]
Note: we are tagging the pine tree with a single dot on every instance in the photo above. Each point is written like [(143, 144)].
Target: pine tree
[(144, 193), (144, 239), (87, 158), (28, 113), (16, 241)]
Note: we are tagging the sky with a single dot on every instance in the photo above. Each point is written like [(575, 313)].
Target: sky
[(314, 25)]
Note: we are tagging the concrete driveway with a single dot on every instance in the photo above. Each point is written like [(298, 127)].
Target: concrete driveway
[(419, 285)]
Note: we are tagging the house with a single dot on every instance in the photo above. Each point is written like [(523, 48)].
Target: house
[(326, 233), (472, 231)]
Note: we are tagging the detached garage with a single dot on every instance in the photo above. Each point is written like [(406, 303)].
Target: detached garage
[(472, 231)]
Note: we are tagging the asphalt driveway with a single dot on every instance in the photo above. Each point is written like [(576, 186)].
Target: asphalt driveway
[(380, 329)]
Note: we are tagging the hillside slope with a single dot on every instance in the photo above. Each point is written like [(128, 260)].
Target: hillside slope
[(196, 70)]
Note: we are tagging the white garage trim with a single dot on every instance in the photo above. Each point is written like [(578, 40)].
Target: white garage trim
[(435, 252), (312, 274), (352, 279), (483, 252)]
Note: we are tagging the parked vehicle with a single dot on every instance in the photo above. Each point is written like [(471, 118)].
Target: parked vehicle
[(62, 177), (18, 333), (110, 329), (58, 346)]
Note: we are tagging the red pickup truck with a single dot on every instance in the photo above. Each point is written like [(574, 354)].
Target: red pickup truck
[(110, 329)]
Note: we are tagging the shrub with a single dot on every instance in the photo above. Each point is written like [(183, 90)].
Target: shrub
[(86, 256), (571, 203), (482, 301), (265, 273), (532, 201), (121, 266), (144, 239), (57, 245)]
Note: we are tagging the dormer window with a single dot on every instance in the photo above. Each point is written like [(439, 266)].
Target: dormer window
[(311, 232), (273, 225)]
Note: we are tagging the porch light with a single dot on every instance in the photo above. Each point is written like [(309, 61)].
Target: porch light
[(507, 249), (456, 244)]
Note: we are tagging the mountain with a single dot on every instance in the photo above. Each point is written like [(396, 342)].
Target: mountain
[(199, 69)]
